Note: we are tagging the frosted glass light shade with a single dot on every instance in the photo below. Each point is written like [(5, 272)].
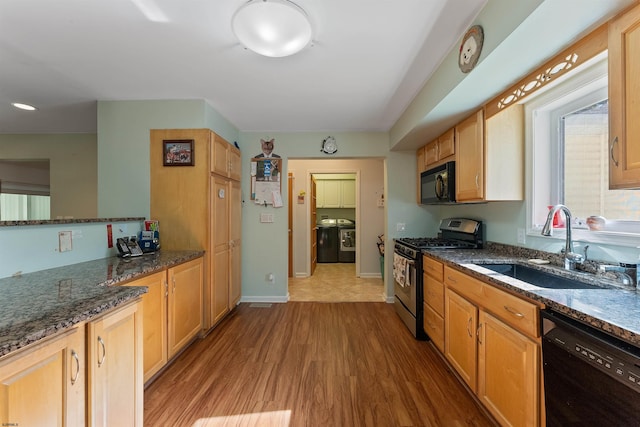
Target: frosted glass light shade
[(274, 28)]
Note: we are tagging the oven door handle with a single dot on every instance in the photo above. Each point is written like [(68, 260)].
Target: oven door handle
[(409, 260)]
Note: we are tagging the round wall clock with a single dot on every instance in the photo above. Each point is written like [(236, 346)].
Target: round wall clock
[(329, 145), (470, 48)]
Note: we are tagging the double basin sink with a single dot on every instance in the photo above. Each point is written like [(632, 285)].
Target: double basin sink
[(537, 277)]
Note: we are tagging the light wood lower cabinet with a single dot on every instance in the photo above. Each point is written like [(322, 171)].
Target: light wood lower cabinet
[(490, 340), (45, 385), (184, 304), (172, 312), (433, 301), (114, 362), (461, 346), (508, 373)]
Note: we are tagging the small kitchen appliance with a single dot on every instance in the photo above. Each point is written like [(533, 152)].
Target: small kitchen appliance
[(437, 185), (455, 233)]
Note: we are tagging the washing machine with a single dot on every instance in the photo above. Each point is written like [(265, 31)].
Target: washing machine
[(347, 237)]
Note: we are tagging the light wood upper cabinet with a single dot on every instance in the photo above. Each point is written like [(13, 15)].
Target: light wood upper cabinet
[(470, 158), (439, 149), (184, 304), (45, 385), (490, 156), (115, 366), (624, 100)]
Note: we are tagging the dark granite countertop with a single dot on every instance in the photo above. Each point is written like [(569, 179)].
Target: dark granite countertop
[(40, 304), (612, 308)]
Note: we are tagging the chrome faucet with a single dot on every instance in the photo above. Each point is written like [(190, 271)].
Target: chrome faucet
[(619, 271), (570, 258)]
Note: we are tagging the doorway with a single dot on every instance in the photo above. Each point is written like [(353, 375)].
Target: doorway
[(355, 183)]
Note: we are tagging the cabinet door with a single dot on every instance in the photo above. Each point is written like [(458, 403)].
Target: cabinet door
[(219, 155), (624, 100), (469, 141), (348, 193), (219, 303), (507, 373), (115, 368), (431, 153), (235, 239), (235, 163), (331, 193), (45, 386), (154, 320), (446, 144), (185, 304), (461, 319)]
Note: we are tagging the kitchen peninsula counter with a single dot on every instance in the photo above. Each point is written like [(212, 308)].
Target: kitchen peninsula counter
[(612, 308), (40, 304)]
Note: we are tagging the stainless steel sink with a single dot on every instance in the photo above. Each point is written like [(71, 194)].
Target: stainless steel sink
[(538, 278)]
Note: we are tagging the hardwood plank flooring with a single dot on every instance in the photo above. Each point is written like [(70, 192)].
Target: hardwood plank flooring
[(310, 364)]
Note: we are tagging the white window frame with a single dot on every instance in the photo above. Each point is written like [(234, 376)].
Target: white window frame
[(589, 82)]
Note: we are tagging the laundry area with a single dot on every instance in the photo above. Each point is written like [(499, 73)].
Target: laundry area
[(336, 212)]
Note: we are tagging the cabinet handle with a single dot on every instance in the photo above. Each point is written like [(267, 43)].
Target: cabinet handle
[(451, 279), (478, 333), (75, 377), (514, 312), (477, 176), (166, 288), (469, 327), (174, 284), (613, 144), (104, 352)]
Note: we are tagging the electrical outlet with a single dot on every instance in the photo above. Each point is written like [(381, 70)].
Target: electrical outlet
[(522, 236), (64, 241), (266, 217), (269, 277), (400, 226)]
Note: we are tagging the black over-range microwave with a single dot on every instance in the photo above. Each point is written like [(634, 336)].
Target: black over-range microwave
[(438, 185)]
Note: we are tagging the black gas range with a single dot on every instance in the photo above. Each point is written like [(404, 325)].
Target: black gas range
[(455, 233)]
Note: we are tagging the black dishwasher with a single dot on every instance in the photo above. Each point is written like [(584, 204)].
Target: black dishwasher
[(590, 378)]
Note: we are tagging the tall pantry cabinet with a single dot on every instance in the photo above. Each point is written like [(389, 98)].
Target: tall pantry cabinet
[(199, 207)]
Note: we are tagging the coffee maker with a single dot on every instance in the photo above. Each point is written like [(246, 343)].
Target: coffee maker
[(149, 240)]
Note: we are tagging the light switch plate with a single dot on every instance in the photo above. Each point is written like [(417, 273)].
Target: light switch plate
[(522, 239), (266, 217), (64, 241)]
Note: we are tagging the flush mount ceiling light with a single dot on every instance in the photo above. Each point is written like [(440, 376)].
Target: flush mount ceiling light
[(24, 106), (274, 28)]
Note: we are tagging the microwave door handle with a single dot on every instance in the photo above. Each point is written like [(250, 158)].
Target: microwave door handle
[(439, 187)]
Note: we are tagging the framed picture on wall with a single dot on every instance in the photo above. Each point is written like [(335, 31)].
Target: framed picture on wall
[(177, 152)]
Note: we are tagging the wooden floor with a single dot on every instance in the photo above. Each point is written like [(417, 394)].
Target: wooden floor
[(336, 283), (310, 364)]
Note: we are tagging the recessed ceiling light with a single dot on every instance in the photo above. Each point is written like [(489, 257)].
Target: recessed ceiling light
[(24, 106)]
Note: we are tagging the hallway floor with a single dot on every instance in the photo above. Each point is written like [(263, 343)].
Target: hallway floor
[(336, 283)]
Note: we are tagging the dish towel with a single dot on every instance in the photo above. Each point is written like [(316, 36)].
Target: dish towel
[(400, 269)]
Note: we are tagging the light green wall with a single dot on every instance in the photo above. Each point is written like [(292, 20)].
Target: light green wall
[(265, 246), (72, 163), (123, 147)]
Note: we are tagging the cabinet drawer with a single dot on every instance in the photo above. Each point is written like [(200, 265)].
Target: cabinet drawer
[(432, 267), (511, 309), (434, 294), (434, 327)]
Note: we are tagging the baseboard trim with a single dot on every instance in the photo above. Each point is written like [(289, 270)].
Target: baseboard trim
[(273, 299)]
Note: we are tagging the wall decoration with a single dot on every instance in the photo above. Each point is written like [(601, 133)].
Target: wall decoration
[(265, 180), (329, 145), (470, 48), (267, 149), (178, 152)]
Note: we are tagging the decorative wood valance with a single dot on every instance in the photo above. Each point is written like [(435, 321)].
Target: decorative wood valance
[(576, 54)]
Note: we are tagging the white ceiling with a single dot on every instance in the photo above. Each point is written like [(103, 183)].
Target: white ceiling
[(365, 66)]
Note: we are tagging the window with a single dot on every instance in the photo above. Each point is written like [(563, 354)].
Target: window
[(567, 137)]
